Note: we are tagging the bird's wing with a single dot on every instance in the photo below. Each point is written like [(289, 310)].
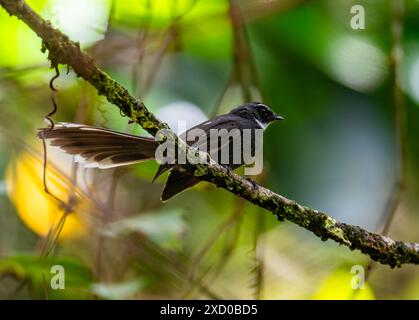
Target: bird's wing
[(216, 148), (99, 147), (227, 139), (227, 122)]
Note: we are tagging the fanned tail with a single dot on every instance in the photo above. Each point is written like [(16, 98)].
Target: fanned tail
[(97, 147)]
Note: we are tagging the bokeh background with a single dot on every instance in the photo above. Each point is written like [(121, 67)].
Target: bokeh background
[(336, 151)]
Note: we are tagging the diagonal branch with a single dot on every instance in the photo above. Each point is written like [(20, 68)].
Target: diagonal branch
[(61, 50)]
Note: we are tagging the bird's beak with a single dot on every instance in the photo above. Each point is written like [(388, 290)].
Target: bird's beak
[(277, 118)]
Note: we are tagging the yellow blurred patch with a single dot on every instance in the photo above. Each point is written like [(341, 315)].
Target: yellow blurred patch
[(38, 210), (338, 286), (17, 40)]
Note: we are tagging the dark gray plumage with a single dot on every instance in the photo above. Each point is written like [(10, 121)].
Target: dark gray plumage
[(103, 148)]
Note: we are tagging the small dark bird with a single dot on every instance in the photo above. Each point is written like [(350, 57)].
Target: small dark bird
[(102, 148)]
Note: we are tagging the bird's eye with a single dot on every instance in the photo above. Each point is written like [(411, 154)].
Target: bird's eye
[(263, 108)]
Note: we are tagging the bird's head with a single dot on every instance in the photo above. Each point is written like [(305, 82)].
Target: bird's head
[(257, 111)]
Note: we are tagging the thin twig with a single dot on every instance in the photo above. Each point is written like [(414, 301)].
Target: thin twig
[(259, 256), (240, 52), (141, 47), (158, 59), (397, 16), (51, 127)]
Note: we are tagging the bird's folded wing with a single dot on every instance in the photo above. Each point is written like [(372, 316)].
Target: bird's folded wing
[(220, 132)]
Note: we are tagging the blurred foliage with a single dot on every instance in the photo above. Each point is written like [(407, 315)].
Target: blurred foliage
[(34, 271), (336, 151), (336, 287)]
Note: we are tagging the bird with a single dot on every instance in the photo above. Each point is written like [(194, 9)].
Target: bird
[(102, 148)]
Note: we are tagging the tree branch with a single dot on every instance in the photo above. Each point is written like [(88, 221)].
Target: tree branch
[(61, 50)]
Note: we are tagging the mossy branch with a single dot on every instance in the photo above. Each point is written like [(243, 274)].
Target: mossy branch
[(61, 50)]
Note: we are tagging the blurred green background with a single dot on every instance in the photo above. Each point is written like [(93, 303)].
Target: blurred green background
[(336, 151)]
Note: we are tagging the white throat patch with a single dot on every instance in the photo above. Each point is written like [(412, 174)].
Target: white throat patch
[(262, 125)]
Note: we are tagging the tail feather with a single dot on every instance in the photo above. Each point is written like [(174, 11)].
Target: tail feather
[(103, 148), (179, 180), (162, 169), (98, 147)]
